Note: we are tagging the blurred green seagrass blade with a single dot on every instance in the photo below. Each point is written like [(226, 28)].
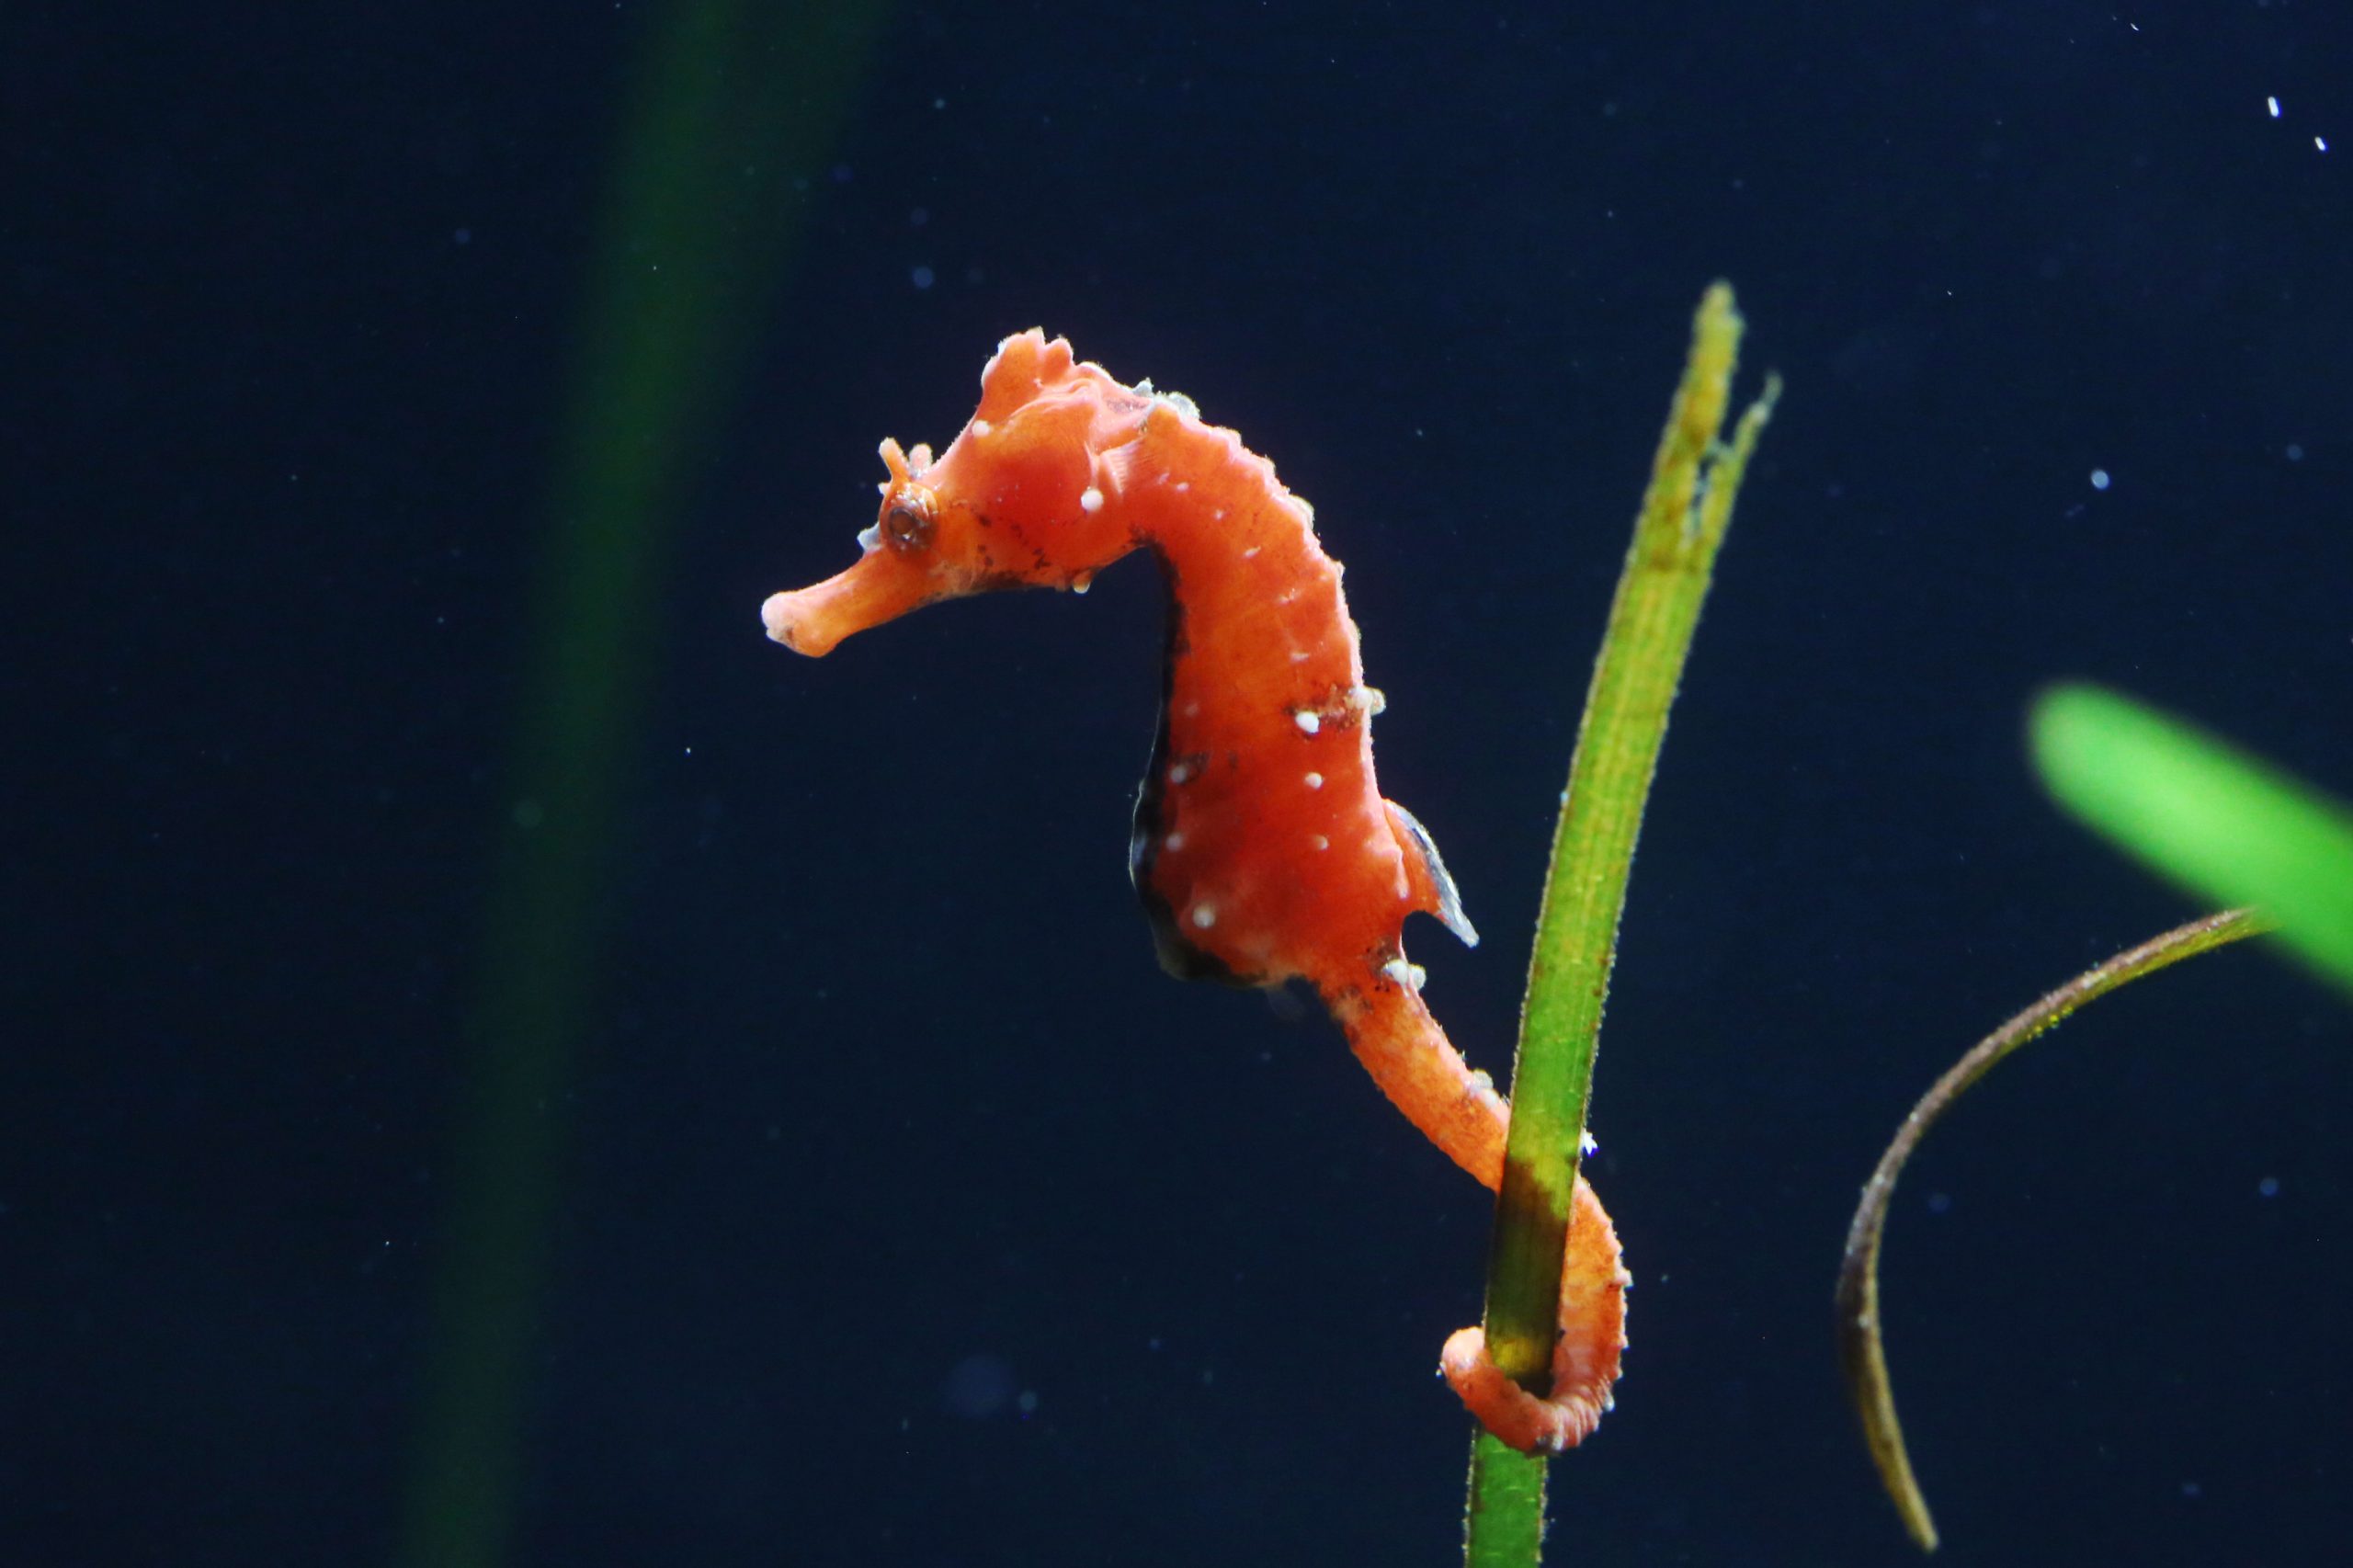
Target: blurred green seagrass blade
[(2225, 825)]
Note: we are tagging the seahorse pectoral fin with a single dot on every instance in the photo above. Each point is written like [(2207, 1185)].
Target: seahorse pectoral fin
[(1434, 890)]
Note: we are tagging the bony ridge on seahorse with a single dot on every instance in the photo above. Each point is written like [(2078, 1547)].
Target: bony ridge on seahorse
[(1262, 849)]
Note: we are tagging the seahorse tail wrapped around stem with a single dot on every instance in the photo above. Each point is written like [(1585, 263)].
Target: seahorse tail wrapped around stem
[(1585, 1356), (1457, 1110)]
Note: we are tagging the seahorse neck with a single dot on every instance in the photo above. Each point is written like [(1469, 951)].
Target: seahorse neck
[(1247, 578)]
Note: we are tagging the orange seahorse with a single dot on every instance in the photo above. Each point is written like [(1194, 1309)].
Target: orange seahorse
[(1262, 849)]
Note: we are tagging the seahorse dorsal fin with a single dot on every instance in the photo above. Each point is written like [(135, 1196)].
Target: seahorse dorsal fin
[(1434, 890)]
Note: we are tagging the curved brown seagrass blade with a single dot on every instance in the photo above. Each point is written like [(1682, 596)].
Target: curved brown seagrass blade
[(1860, 1348)]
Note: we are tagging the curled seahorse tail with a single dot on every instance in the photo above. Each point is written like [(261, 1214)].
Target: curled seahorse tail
[(1457, 1110), (1585, 1356)]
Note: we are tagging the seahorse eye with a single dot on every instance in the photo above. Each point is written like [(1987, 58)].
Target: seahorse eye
[(906, 529)]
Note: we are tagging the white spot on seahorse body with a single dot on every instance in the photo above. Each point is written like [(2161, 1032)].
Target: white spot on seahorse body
[(1483, 1081), (1192, 710), (1299, 655), (1174, 841), (982, 428), (1082, 581), (1319, 841), (1204, 916), (870, 538), (1308, 721), (1315, 781), (1090, 499), (1368, 700), (1183, 404), (1179, 773)]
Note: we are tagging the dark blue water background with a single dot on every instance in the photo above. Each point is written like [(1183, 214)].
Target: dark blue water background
[(904, 1213)]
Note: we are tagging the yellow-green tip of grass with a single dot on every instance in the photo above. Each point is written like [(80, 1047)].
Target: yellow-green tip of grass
[(2224, 825)]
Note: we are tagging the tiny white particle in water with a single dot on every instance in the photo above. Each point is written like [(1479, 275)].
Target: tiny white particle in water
[(1940, 1203), (2295, 453), (2321, 142), (922, 275), (2099, 479), (2192, 1491), (1090, 499), (2268, 1187), (2273, 105)]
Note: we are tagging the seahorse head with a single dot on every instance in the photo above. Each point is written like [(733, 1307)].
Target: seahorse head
[(1025, 496)]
